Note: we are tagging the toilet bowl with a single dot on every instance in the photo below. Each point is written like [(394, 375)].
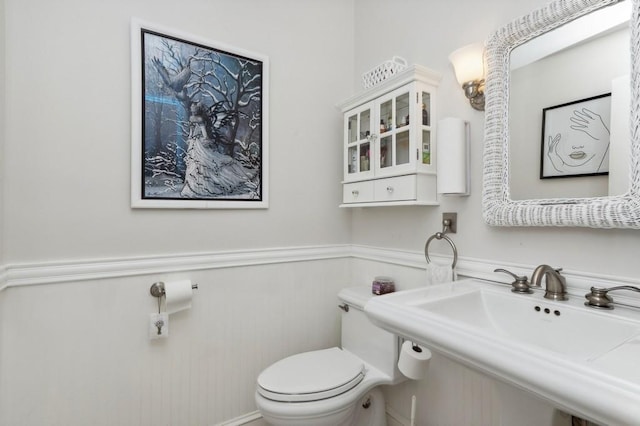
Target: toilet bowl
[(334, 386), (317, 388)]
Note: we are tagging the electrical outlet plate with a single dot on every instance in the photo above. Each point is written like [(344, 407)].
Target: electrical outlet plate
[(453, 222)]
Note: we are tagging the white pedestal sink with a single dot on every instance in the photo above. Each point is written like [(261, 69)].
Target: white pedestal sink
[(580, 359)]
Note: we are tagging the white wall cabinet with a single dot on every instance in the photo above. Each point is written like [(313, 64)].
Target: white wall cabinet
[(389, 142)]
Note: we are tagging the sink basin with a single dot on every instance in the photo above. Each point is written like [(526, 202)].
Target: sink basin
[(560, 350), (529, 320)]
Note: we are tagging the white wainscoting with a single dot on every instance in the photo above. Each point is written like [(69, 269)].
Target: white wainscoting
[(74, 348)]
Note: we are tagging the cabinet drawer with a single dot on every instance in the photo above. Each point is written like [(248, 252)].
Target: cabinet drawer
[(358, 192), (396, 188)]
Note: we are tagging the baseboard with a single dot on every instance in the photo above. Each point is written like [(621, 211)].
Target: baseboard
[(253, 419), (394, 418)]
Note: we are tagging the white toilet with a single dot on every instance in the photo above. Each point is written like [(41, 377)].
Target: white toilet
[(335, 386)]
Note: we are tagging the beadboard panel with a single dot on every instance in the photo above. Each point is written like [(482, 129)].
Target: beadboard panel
[(453, 394), (78, 353), (74, 348)]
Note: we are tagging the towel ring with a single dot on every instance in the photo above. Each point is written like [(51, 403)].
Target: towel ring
[(441, 236)]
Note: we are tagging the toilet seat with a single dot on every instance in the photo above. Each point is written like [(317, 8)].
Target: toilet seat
[(311, 376)]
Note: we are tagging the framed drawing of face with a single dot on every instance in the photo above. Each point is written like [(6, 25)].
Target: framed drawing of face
[(575, 138)]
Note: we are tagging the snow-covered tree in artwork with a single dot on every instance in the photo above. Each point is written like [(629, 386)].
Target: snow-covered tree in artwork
[(203, 121)]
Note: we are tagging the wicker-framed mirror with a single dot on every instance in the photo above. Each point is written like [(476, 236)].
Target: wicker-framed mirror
[(618, 211)]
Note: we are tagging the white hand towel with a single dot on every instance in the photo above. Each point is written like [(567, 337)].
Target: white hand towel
[(437, 274)]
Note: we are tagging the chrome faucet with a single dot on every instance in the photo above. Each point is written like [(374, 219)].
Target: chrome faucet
[(556, 284)]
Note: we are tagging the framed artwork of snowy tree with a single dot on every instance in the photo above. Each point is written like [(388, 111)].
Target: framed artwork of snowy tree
[(199, 122)]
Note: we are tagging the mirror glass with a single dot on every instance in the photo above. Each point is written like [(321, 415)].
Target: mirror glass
[(574, 80), (559, 116)]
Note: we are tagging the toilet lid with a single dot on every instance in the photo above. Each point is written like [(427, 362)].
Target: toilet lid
[(311, 376)]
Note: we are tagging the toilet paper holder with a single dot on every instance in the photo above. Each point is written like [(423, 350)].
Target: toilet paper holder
[(157, 289)]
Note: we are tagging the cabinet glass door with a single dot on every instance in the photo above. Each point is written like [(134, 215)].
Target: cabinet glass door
[(402, 111), (402, 147), (402, 126), (358, 142), (395, 135), (386, 152), (425, 117)]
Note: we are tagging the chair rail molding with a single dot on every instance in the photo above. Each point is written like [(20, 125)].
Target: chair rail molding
[(67, 271), (16, 275)]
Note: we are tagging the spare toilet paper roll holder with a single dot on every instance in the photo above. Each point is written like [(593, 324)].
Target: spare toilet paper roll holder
[(157, 289)]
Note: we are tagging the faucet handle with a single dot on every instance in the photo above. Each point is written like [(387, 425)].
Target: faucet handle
[(521, 283), (560, 277), (598, 297)]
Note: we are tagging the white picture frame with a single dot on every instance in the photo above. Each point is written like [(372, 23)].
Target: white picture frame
[(200, 122)]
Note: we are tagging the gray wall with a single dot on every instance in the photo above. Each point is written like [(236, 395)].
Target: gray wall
[(67, 151), (426, 32)]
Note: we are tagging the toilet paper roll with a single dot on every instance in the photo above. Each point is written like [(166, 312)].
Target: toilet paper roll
[(178, 295), (414, 360)]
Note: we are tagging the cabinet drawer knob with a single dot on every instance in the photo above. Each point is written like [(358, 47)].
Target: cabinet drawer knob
[(355, 192), (389, 189)]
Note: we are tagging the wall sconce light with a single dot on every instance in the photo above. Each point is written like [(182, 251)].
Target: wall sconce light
[(468, 63)]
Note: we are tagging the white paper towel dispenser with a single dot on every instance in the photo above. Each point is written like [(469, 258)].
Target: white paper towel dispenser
[(453, 157)]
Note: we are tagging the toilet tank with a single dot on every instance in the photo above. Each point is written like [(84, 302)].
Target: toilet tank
[(367, 341)]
